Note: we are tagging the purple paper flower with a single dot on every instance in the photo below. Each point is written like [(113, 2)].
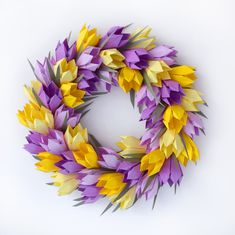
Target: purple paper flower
[(194, 124), (88, 81), (115, 38), (171, 172), (63, 50), (50, 96), (107, 79), (137, 58), (66, 115), (42, 73), (53, 142), (90, 59), (171, 92), (108, 158), (165, 53)]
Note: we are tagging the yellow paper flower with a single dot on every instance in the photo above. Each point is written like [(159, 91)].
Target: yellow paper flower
[(191, 99), (152, 162), (87, 38), (72, 96), (66, 183), (171, 143), (184, 75), (130, 79), (86, 156), (112, 58), (158, 71), (127, 200), (130, 145), (175, 118), (68, 70), (111, 184), (37, 118), (47, 163), (190, 153), (35, 85), (144, 40), (75, 136)]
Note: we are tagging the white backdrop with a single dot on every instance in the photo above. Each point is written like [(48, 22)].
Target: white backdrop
[(203, 33)]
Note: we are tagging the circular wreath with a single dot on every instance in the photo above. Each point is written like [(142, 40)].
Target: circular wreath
[(69, 81)]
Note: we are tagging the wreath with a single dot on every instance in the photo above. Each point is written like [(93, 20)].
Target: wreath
[(79, 72)]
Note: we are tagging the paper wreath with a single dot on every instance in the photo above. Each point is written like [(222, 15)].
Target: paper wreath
[(68, 82)]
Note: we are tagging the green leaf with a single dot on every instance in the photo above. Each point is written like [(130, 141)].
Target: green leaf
[(94, 142), (51, 72), (57, 77), (84, 113), (79, 204), (132, 97), (82, 107), (186, 150), (107, 208), (149, 181), (155, 197), (64, 125), (202, 131), (37, 98), (33, 69), (133, 155), (78, 79), (36, 157), (116, 208), (201, 114), (51, 183), (137, 34), (136, 43), (123, 192), (89, 97), (78, 199), (70, 33)]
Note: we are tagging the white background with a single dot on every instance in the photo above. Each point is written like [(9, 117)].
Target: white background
[(203, 33)]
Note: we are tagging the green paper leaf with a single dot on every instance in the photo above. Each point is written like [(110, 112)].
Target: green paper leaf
[(107, 208), (79, 204), (201, 114), (132, 97), (148, 84), (155, 197), (123, 192), (94, 142), (84, 113), (37, 98), (82, 107)]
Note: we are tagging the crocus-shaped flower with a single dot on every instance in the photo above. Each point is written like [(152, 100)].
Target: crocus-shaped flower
[(191, 99), (158, 71), (112, 58), (171, 143), (183, 74), (47, 162), (68, 70), (170, 172), (130, 145), (88, 81), (66, 183), (190, 152), (175, 118), (130, 79), (72, 96), (171, 92), (66, 115), (142, 39), (53, 142), (114, 38), (165, 53), (89, 59), (128, 199), (86, 156), (75, 136), (41, 71), (111, 184), (37, 118), (152, 162), (108, 158), (63, 50), (194, 124), (137, 58), (87, 37)]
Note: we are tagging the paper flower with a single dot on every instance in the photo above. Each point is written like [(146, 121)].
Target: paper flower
[(158, 71), (66, 183), (47, 162), (86, 156), (171, 92), (114, 38), (75, 136), (184, 75), (112, 58), (175, 118), (68, 70), (137, 58), (89, 59), (87, 38), (53, 142), (152, 162), (142, 39), (130, 79), (130, 145), (78, 72), (72, 96), (164, 53), (37, 118), (110, 184)]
